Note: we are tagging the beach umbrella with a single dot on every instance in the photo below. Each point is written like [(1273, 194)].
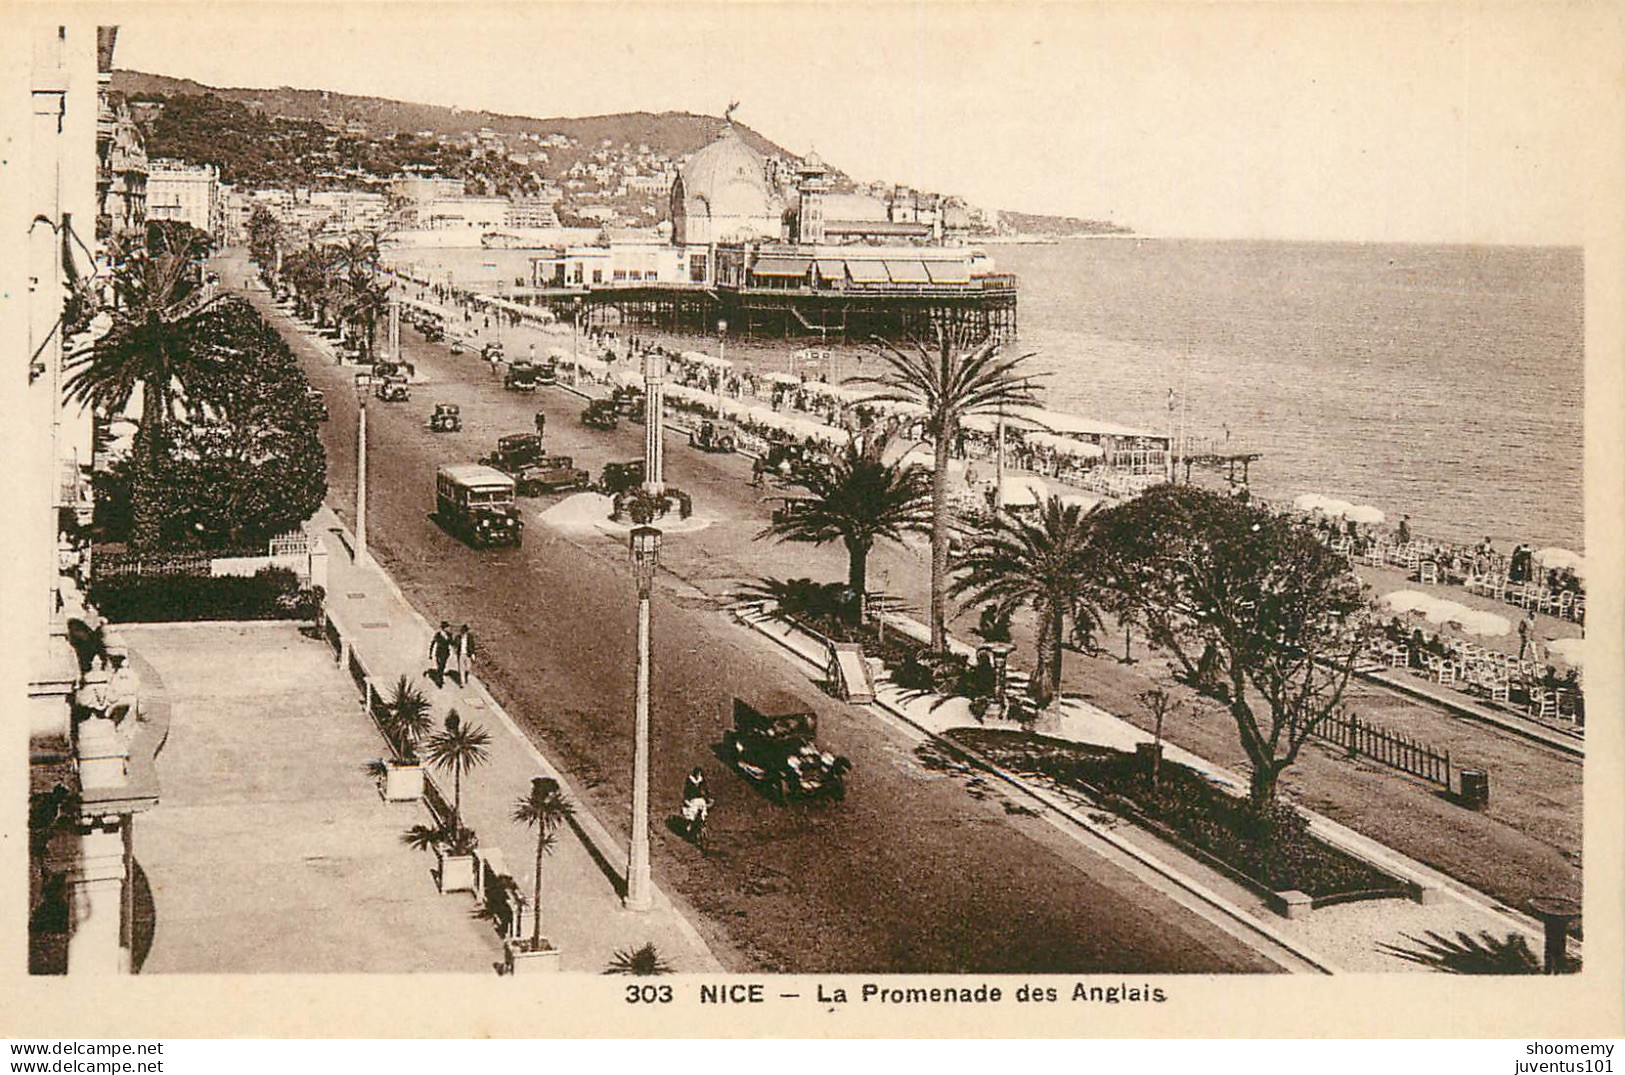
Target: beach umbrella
[(1570, 651), (1561, 558), (1440, 611), (1408, 600), (1365, 514), (1308, 502), (1022, 492), (1486, 624)]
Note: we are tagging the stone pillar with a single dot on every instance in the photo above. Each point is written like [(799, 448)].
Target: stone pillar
[(654, 460), (96, 900)]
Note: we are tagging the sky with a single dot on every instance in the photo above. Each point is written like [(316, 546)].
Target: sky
[(1347, 121)]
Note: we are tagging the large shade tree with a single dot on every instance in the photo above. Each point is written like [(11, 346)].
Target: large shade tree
[(1041, 563), (955, 376), (857, 499), (1257, 612)]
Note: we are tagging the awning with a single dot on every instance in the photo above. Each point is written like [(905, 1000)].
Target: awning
[(781, 266), (948, 272), (907, 272), (868, 272), (831, 270)]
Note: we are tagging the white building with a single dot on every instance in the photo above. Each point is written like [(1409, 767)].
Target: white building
[(177, 190)]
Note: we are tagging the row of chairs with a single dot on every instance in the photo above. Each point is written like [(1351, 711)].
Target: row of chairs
[(1490, 674)]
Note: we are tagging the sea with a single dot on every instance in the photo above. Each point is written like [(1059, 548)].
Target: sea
[(1441, 382)]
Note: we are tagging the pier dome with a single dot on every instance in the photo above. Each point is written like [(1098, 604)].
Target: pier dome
[(722, 194)]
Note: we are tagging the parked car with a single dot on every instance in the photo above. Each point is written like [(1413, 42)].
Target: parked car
[(628, 401), (477, 504), (618, 477), (433, 333), (712, 436), (393, 390), (318, 403), (447, 418), (516, 451), (547, 373), (551, 474), (600, 414), (391, 368), (521, 377), (773, 743), (492, 352), (457, 346)]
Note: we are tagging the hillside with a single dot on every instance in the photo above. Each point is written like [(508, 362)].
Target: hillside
[(674, 134), (598, 168)]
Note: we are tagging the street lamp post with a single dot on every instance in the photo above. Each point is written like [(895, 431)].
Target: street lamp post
[(722, 339), (362, 383), (645, 547)]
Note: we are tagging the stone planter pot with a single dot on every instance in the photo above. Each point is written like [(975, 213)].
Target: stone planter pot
[(521, 960), (455, 872), (403, 781)]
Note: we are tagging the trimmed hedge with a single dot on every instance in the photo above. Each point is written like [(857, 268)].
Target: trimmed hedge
[(1276, 851), (271, 594)]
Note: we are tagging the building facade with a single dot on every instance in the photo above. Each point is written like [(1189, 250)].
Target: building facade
[(177, 190)]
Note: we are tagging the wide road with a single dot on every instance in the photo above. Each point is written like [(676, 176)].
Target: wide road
[(909, 874)]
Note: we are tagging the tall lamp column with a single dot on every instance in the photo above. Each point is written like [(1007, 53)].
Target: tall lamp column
[(362, 384), (645, 547)]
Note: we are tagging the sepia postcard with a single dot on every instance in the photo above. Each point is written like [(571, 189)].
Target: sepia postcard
[(915, 519)]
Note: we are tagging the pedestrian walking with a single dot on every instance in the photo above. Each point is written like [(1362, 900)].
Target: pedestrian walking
[(464, 649), (1526, 631), (757, 469), (541, 423), (440, 650), (1404, 534)]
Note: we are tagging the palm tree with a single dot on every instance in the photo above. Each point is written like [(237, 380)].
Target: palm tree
[(544, 809), (362, 304), (458, 749), (155, 342), (407, 718), (857, 499), (958, 378), (1042, 564)]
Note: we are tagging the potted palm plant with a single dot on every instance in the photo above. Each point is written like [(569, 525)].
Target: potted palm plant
[(453, 847), (405, 720), (544, 810), (457, 748)]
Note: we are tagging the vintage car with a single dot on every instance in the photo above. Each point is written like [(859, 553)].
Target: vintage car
[(492, 352), (318, 403), (447, 418), (433, 332), (393, 390), (477, 504), (628, 400), (389, 368), (711, 436), (600, 414), (515, 452), (619, 477), (547, 373), (773, 743), (551, 474), (457, 346), (521, 377)]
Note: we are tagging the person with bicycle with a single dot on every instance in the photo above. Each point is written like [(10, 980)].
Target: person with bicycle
[(696, 801)]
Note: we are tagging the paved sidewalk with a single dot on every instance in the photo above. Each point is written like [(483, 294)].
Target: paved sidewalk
[(1356, 937), (581, 906), (270, 850)]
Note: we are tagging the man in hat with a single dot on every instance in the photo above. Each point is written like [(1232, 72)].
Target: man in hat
[(463, 646), (440, 649)]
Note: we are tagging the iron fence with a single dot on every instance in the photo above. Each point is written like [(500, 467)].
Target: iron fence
[(1386, 747)]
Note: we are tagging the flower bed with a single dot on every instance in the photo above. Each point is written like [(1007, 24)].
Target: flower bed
[(1191, 809)]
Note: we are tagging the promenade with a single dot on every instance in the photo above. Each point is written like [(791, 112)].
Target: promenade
[(272, 849)]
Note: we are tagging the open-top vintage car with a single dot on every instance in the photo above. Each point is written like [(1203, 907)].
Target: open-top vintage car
[(447, 418), (600, 414), (551, 474), (713, 436), (629, 400), (521, 377), (619, 477), (773, 743), (515, 451), (393, 390), (492, 352)]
